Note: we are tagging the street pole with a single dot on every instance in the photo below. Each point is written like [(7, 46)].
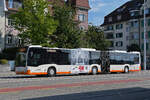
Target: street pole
[(144, 36)]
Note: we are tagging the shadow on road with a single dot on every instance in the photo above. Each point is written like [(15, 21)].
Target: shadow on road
[(136, 93), (39, 76), (35, 76)]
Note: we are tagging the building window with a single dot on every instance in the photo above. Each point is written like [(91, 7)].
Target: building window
[(82, 28), (9, 39), (135, 36), (142, 35), (134, 13), (17, 4), (19, 41), (10, 3), (119, 44), (148, 34), (119, 26), (147, 11), (119, 35), (119, 17), (148, 22), (142, 23), (82, 17), (110, 36), (82, 9), (14, 4), (110, 27), (10, 22), (111, 43), (134, 24), (110, 19), (147, 46), (127, 29)]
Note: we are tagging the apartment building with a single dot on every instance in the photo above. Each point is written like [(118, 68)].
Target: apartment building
[(9, 36), (125, 26)]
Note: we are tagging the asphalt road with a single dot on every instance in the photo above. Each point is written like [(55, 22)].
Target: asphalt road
[(118, 86)]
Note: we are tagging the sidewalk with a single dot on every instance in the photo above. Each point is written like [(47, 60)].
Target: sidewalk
[(4, 68)]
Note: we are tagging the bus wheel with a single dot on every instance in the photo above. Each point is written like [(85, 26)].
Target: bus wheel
[(94, 70), (51, 72), (126, 70)]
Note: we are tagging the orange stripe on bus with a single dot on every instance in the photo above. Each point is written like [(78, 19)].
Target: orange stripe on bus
[(134, 70), (116, 71), (63, 72), (30, 73), (97, 71)]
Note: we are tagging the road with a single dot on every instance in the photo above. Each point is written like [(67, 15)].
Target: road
[(117, 86)]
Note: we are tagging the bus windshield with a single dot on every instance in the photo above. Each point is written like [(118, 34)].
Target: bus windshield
[(20, 60)]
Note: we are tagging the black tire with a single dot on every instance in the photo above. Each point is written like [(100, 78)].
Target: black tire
[(94, 70), (51, 72), (126, 69)]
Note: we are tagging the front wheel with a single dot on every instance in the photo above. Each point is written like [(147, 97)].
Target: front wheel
[(94, 70), (51, 72)]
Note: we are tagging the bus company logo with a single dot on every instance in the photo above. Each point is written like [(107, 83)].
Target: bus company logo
[(81, 68)]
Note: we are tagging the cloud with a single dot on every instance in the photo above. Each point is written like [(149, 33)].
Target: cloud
[(101, 8), (96, 5)]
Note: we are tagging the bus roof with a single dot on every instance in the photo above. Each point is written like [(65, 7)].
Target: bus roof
[(121, 51), (34, 46), (87, 49)]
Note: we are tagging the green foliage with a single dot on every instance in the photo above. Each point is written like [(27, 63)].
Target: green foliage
[(9, 53), (94, 38), (34, 22), (133, 47), (67, 34), (3, 61)]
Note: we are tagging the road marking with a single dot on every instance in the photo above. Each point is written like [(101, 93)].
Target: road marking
[(27, 88), (83, 77)]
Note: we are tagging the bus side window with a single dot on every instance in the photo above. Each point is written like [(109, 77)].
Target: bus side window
[(64, 58), (136, 59)]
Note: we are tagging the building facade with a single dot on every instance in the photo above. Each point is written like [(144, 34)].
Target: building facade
[(125, 26), (9, 36), (82, 7)]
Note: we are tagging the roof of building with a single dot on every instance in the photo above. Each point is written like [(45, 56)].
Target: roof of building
[(124, 11)]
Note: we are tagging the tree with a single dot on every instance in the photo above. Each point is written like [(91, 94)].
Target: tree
[(34, 22), (133, 47), (67, 34), (94, 38)]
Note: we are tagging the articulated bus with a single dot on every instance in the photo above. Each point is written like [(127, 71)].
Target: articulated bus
[(38, 60)]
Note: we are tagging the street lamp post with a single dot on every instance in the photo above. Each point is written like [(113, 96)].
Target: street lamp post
[(144, 35)]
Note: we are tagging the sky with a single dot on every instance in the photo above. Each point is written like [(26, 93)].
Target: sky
[(101, 8)]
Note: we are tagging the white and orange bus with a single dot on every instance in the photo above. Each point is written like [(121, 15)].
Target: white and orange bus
[(38, 60)]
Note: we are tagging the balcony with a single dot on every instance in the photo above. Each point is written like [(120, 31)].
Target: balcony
[(13, 4)]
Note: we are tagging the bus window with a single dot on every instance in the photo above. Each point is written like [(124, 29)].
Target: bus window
[(131, 58), (112, 58), (34, 57), (136, 59), (94, 58)]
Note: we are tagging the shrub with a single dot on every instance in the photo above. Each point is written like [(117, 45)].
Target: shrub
[(4, 61)]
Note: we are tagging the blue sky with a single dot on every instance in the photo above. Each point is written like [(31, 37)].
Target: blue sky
[(100, 8)]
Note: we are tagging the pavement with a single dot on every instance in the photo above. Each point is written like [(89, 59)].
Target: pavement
[(116, 86), (4, 68)]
